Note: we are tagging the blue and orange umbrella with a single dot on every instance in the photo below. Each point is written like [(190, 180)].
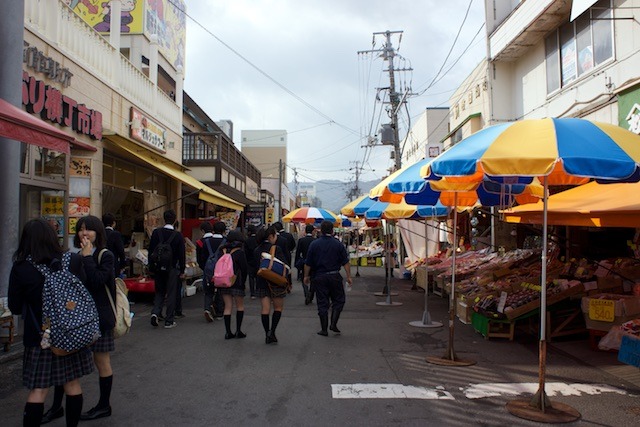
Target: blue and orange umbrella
[(556, 151)]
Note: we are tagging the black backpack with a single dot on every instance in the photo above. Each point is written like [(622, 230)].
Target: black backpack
[(68, 311), (161, 259)]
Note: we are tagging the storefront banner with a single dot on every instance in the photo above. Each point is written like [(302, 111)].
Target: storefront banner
[(154, 207), (145, 130), (229, 218)]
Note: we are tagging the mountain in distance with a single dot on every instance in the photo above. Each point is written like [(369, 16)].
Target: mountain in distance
[(332, 194)]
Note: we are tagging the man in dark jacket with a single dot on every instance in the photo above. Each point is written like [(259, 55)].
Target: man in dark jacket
[(114, 242), (166, 282), (250, 246), (213, 237), (286, 242), (301, 254), (325, 257)]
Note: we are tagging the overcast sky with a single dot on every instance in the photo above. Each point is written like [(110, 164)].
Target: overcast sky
[(294, 65)]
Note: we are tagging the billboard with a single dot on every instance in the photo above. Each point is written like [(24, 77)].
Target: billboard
[(166, 19)]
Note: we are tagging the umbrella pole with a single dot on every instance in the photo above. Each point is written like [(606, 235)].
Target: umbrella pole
[(450, 358), (426, 321), (540, 408), (387, 292)]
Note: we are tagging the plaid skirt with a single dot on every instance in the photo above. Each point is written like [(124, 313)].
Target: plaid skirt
[(236, 292), (105, 343), (42, 369), (271, 292)]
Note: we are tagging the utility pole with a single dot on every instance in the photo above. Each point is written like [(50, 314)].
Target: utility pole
[(387, 52), (355, 190)]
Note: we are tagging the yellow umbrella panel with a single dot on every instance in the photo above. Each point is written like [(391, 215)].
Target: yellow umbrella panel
[(589, 205)]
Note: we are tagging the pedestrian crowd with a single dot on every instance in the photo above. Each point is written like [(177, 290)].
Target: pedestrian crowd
[(228, 260)]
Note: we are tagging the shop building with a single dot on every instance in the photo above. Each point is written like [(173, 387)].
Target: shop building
[(120, 96)]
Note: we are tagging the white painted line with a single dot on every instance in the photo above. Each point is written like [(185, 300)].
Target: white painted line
[(479, 391), (387, 391)]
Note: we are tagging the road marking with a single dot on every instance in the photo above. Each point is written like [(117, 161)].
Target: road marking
[(480, 391), (387, 391)]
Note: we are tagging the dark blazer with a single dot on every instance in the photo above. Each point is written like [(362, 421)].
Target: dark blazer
[(250, 246), (99, 276), (284, 245), (202, 250), (25, 295), (115, 245), (303, 247), (177, 245)]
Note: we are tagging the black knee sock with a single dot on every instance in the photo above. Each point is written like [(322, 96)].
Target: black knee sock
[(275, 319), (58, 394), (265, 322), (32, 414), (227, 323), (73, 410), (105, 391), (239, 317)]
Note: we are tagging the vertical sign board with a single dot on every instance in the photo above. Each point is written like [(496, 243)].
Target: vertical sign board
[(630, 351), (254, 215)]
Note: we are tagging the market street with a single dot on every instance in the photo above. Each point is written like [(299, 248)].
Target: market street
[(373, 374)]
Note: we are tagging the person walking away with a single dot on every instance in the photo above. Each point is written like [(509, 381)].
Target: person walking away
[(301, 255), (208, 245), (390, 257), (166, 282), (99, 264), (235, 293), (285, 241), (269, 295), (250, 246), (42, 369), (114, 242), (322, 270)]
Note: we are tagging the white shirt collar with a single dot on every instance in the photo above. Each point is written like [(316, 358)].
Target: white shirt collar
[(109, 228), (220, 236), (207, 235), (169, 226)]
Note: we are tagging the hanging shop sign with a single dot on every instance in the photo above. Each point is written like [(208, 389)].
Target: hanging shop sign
[(48, 102), (146, 131)]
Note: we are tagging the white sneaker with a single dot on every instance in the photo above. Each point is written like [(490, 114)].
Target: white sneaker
[(208, 316), (170, 325)]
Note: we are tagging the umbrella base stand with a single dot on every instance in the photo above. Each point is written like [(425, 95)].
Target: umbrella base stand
[(426, 322), (388, 302), (554, 412), (446, 361), (385, 292)]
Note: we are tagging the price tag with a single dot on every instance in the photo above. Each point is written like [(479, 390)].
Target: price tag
[(602, 310)]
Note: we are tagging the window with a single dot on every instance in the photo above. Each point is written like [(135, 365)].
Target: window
[(578, 47)]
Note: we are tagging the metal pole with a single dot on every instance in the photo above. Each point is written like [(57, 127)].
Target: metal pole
[(11, 44)]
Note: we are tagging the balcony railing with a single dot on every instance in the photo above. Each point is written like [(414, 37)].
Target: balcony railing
[(53, 21), (209, 148)]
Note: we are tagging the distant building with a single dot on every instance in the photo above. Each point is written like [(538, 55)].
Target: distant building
[(226, 126), (267, 150), (425, 136)]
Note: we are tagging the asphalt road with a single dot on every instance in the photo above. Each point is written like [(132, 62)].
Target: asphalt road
[(192, 376)]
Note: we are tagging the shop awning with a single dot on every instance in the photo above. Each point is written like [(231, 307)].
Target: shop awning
[(589, 205), (168, 167), (19, 125)]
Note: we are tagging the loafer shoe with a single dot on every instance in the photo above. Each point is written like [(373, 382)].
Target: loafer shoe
[(95, 413), (52, 414)]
